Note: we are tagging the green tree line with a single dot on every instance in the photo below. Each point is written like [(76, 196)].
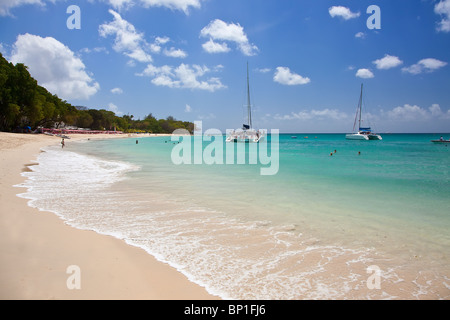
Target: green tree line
[(24, 103)]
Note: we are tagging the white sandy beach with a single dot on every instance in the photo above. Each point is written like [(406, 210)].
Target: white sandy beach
[(36, 247)]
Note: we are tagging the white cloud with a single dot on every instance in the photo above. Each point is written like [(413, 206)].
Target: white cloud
[(387, 62), (264, 70), (360, 35), (343, 12), (182, 5), (95, 50), (364, 73), (120, 4), (437, 113), (218, 68), (175, 53), (156, 46), (6, 5), (443, 8), (112, 107), (314, 114), (425, 65), (284, 76), (435, 110), (184, 76), (222, 31), (188, 109), (397, 117), (54, 66), (127, 40), (117, 91), (409, 113), (414, 118), (162, 40), (214, 47)]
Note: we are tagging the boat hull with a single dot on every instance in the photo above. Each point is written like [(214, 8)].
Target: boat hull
[(365, 137), (356, 136), (440, 141), (243, 140), (375, 137), (245, 137)]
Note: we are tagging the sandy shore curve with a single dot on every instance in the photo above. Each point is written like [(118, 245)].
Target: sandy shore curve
[(37, 248)]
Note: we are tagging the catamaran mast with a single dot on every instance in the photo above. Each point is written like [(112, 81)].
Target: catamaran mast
[(249, 108), (358, 111), (360, 105)]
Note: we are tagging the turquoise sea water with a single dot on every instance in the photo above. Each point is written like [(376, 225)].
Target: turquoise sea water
[(334, 208)]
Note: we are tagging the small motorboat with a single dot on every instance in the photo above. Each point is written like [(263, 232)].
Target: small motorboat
[(440, 141)]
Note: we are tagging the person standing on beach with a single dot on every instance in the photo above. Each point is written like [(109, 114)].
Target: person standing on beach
[(62, 143)]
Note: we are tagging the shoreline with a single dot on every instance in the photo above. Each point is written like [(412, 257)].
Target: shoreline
[(37, 247)]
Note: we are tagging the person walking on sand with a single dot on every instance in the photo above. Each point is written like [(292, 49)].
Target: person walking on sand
[(62, 143)]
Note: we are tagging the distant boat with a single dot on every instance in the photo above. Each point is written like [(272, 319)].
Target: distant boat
[(441, 140), (363, 133), (247, 134)]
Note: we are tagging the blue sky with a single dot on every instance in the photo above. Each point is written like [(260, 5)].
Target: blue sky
[(187, 58)]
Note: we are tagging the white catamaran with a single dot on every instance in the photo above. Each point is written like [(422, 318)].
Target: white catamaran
[(364, 133), (247, 134)]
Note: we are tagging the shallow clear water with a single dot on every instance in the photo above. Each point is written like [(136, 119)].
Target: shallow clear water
[(310, 231)]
